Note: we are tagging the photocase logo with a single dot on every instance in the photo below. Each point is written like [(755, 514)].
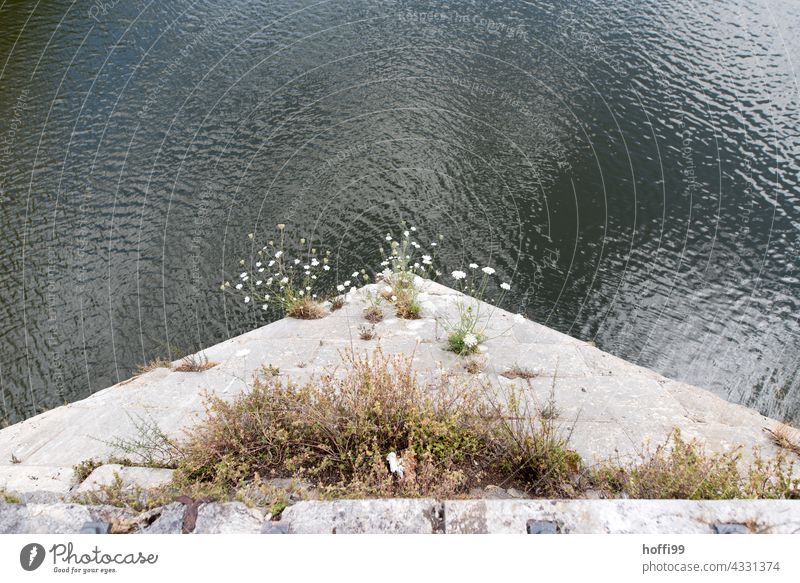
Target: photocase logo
[(31, 556)]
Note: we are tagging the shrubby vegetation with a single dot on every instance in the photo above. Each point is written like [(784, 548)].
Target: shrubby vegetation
[(446, 437)]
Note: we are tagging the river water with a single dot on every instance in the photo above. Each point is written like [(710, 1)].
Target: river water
[(632, 167)]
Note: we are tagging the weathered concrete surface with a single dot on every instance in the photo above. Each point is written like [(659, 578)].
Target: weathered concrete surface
[(56, 518), (20, 478), (424, 516), (229, 518), (131, 478), (622, 516), (611, 407), (394, 516), (168, 521)]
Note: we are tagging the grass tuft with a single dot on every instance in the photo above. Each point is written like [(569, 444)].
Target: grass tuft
[(195, 363), (337, 303), (154, 364), (519, 372), (785, 437), (305, 308), (475, 364)]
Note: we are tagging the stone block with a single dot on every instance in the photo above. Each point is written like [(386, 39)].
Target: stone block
[(394, 516)]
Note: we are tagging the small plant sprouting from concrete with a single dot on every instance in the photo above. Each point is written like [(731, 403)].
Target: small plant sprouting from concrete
[(195, 363), (785, 437), (269, 371), (154, 364), (373, 312), (475, 364), (366, 332), (9, 498), (150, 446), (305, 309), (83, 470), (337, 303), (14, 459), (684, 470), (519, 372), (466, 332)]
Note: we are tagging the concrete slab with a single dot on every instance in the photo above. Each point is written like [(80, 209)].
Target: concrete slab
[(610, 406), (621, 516), (395, 516)]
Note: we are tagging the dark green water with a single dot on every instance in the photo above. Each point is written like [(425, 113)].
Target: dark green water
[(631, 165)]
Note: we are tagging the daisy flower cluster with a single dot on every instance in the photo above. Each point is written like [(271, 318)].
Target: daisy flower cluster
[(475, 281), (292, 277), (466, 332), (406, 260), (407, 257)]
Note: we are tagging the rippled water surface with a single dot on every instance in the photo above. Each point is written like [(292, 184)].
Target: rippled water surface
[(631, 165)]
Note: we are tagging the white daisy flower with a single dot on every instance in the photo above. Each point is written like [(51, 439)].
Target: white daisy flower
[(488, 270), (326, 267), (340, 288), (243, 274), (355, 274), (246, 299), (473, 266), (284, 281), (346, 283), (505, 286), (265, 306), (406, 233), (296, 261), (458, 275), (470, 340), (413, 228), (271, 263), (278, 254), (258, 264), (388, 237), (238, 286), (259, 282), (261, 270), (315, 262)]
